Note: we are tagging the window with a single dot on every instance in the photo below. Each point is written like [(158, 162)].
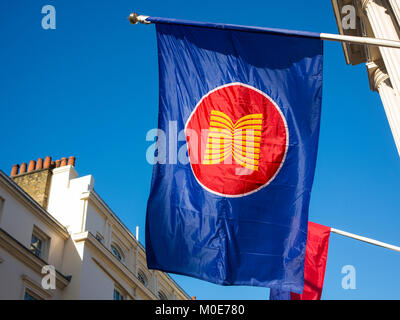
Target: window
[(29, 296), (33, 290), (162, 295), (142, 278), (99, 237), (118, 295), (39, 243), (36, 246), (117, 253), (1, 206)]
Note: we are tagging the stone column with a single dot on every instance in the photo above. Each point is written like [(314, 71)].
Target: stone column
[(391, 101), (395, 4), (385, 26)]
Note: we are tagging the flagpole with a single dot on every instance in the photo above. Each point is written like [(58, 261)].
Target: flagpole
[(367, 240), (361, 40), (135, 18)]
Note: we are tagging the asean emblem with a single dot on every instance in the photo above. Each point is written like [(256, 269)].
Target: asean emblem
[(237, 140)]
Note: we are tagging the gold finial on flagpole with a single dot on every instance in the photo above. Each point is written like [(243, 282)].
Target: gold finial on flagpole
[(135, 18)]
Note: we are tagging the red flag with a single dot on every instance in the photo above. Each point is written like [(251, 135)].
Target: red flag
[(315, 262)]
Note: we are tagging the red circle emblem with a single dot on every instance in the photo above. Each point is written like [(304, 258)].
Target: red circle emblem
[(237, 140)]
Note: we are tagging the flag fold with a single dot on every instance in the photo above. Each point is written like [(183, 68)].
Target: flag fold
[(314, 266)]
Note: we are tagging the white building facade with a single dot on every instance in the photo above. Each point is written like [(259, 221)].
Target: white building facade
[(49, 216), (375, 19)]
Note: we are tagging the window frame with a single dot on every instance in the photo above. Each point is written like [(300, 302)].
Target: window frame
[(45, 240), (141, 275), (161, 295), (118, 292), (2, 202), (117, 248), (30, 293), (34, 289), (99, 237)]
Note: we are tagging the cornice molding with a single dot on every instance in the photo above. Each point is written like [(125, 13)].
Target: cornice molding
[(32, 285), (364, 4), (108, 273), (16, 249), (379, 76)]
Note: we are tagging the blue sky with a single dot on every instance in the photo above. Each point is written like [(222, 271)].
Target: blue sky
[(90, 89)]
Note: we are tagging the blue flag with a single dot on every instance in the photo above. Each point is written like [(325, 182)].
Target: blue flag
[(239, 117)]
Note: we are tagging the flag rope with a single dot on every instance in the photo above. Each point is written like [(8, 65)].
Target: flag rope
[(365, 239), (135, 18)]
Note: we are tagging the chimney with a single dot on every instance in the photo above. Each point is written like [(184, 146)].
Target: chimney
[(23, 168), (32, 165), (14, 170), (39, 164), (47, 162), (71, 161), (35, 180), (64, 162)]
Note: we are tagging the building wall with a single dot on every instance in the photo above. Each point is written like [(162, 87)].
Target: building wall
[(72, 265), (19, 220), (96, 284), (81, 232), (15, 277)]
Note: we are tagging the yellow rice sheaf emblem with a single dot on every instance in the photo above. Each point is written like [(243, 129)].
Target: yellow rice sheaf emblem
[(240, 140)]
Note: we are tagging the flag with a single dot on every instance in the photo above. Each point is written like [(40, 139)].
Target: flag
[(246, 106), (314, 266)]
